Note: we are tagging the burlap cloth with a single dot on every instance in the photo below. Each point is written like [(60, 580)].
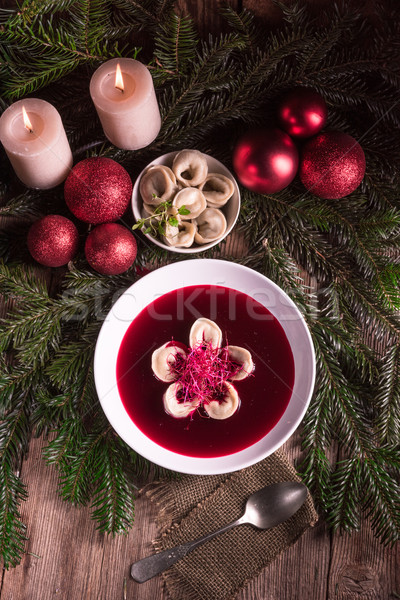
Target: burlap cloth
[(195, 505)]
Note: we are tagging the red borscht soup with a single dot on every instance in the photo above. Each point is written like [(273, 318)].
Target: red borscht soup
[(264, 395)]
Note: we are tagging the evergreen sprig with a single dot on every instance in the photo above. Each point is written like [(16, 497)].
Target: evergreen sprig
[(209, 91)]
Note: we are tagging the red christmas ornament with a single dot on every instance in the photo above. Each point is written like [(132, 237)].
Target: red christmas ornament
[(332, 165), (265, 160), (53, 240), (110, 249), (302, 113), (98, 190)]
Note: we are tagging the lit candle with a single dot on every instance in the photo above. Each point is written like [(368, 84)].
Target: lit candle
[(34, 138), (123, 93)]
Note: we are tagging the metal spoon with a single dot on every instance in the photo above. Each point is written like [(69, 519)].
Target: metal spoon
[(265, 508)]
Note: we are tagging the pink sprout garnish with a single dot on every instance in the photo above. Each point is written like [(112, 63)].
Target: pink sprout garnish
[(203, 373)]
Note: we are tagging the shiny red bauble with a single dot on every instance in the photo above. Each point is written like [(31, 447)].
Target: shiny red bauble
[(265, 160), (332, 165), (302, 113), (53, 241), (98, 190), (110, 249)]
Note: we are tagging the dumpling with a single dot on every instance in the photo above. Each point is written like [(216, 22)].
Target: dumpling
[(242, 357), (158, 184), (180, 236), (217, 189), (211, 225), (147, 210), (176, 408), (190, 167), (163, 359), (225, 408), (192, 199), (205, 330)]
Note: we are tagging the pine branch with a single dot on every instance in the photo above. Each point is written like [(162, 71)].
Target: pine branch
[(20, 283), (70, 360), (73, 375), (29, 9), (14, 382), (35, 326), (381, 497), (347, 340), (113, 500), (59, 450), (50, 411), (315, 470), (36, 50), (319, 423), (387, 401), (77, 482), (365, 473), (14, 436), (146, 14), (12, 529), (243, 24), (176, 46), (278, 265), (28, 205), (15, 432), (278, 219), (344, 509), (358, 300)]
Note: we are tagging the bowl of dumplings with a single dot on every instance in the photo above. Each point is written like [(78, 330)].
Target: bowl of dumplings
[(186, 201)]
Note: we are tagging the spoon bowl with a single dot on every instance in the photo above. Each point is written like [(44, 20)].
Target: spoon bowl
[(274, 504)]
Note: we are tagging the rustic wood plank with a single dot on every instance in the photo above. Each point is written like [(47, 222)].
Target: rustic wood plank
[(75, 560), (362, 568), (206, 14), (272, 15)]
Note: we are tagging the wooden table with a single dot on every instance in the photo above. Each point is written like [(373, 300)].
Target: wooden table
[(67, 559)]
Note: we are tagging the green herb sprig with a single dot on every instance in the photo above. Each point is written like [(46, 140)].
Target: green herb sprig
[(155, 223)]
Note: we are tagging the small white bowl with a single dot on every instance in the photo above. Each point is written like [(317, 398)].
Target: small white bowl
[(192, 273), (231, 209)]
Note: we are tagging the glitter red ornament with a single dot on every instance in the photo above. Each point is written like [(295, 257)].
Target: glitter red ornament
[(332, 165), (302, 113), (53, 240), (98, 190), (110, 249), (265, 160)]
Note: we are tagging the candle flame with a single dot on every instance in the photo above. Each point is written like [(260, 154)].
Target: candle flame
[(27, 121), (119, 82)]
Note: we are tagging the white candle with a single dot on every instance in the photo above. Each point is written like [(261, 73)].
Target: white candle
[(37, 147), (127, 105)]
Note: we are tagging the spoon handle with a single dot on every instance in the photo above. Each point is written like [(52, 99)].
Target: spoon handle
[(148, 567)]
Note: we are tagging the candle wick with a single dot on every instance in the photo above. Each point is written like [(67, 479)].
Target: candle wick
[(120, 89)]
